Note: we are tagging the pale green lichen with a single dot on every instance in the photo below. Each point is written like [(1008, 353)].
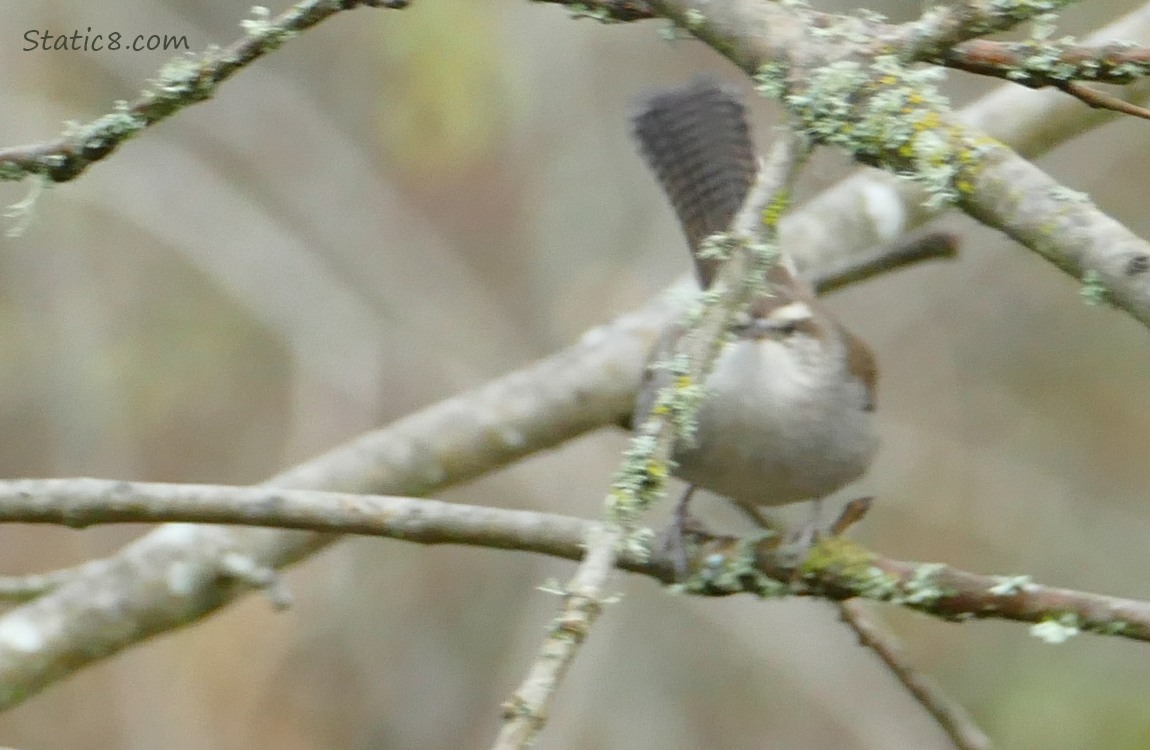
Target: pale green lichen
[(600, 14), (10, 170), (1010, 585), (734, 572), (1113, 627), (717, 246), (109, 129), (260, 24), (771, 80), (682, 403), (877, 585), (1094, 290), (680, 399), (694, 18), (923, 587), (640, 543), (1057, 629), (843, 559), (840, 558), (1005, 14), (639, 481), (824, 105), (1067, 195), (22, 212), (870, 16), (1046, 61), (48, 162), (848, 30), (885, 111), (935, 167), (765, 255), (1043, 26), (671, 32), (182, 79), (176, 76), (1128, 71), (263, 28), (694, 304)]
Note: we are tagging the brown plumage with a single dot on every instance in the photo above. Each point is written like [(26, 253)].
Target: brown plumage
[(697, 142), (788, 415)]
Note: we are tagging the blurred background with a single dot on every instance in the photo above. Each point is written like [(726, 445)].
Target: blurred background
[(399, 205)]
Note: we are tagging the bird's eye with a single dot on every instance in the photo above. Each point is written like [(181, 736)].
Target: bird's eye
[(788, 319), (759, 328)]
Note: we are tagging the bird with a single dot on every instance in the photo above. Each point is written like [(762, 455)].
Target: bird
[(788, 410)]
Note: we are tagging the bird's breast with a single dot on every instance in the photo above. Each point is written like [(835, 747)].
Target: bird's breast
[(779, 424)]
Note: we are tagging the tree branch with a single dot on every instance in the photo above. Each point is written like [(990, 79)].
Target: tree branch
[(177, 575), (1102, 100), (950, 715), (585, 386), (182, 82), (721, 565), (590, 384), (873, 207), (909, 250), (812, 73), (1038, 63)]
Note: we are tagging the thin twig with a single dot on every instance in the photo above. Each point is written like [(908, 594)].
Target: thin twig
[(908, 251), (1102, 100), (950, 715), (180, 83), (641, 480), (1038, 63)]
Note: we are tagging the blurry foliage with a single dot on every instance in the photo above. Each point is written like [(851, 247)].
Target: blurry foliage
[(440, 101)]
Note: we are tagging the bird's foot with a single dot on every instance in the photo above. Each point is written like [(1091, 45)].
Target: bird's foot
[(678, 535), (800, 541)]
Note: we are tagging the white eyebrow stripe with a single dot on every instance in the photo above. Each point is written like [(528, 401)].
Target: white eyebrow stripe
[(791, 312)]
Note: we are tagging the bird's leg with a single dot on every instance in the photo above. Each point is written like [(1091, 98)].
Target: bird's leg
[(802, 539), (759, 518), (675, 538), (805, 536)]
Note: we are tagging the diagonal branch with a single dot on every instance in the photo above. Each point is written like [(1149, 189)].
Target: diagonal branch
[(107, 605), (180, 83), (950, 716), (890, 116), (586, 386), (1102, 100), (875, 207), (176, 575), (641, 480)]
